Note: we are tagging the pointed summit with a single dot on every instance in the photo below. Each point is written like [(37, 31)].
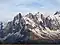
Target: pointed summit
[(58, 12), (20, 15)]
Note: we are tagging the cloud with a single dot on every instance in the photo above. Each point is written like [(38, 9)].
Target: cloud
[(31, 4)]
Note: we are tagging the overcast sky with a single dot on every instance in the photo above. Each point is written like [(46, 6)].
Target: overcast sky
[(9, 8)]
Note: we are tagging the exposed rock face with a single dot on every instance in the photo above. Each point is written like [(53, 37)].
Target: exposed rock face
[(44, 27), (19, 28)]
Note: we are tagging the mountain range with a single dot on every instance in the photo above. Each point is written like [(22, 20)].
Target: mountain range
[(31, 27)]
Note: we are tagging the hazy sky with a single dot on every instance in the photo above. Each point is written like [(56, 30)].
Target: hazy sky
[(9, 8)]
